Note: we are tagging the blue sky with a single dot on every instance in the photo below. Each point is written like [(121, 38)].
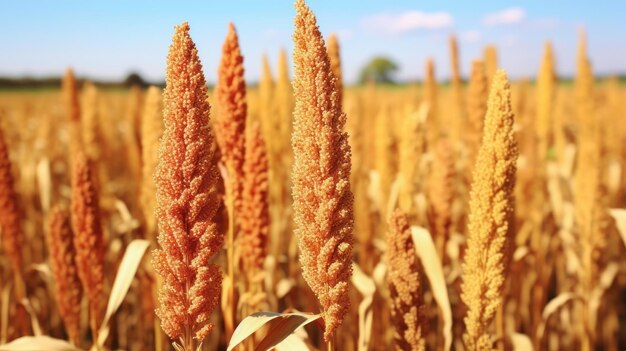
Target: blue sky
[(107, 40)]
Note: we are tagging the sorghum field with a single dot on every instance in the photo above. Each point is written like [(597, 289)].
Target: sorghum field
[(299, 214)]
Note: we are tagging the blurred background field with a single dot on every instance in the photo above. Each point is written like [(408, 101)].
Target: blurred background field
[(416, 80)]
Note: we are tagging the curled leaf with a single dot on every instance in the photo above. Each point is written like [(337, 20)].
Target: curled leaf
[(556, 303), (125, 274), (284, 286), (427, 253), (38, 343), (366, 316), (606, 280), (521, 342), (34, 321), (619, 215), (363, 283), (379, 274), (551, 307), (279, 327)]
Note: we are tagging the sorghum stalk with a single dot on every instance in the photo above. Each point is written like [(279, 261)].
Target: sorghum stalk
[(12, 235), (546, 81), (63, 263), (88, 238), (335, 64), (72, 111), (230, 132), (476, 109), (232, 108), (440, 194), (403, 279), (255, 218), (151, 131), (187, 200), (458, 124), (321, 174), (491, 62), (435, 126), (588, 189), (491, 209)]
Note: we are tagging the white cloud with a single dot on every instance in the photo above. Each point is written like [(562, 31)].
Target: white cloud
[(407, 21), (509, 16), (471, 36)]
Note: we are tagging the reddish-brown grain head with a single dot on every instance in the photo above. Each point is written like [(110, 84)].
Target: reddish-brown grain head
[(70, 96), (9, 211), (88, 239), (187, 201), (255, 215), (232, 109), (403, 279), (321, 174), (63, 263)]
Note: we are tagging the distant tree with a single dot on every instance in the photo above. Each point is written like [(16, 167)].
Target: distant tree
[(134, 79), (380, 69)]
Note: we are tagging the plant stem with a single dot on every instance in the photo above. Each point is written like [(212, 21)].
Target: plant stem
[(330, 344), (230, 251), (500, 326)]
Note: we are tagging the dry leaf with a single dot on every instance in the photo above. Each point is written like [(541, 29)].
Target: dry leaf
[(280, 326), (551, 308), (556, 303), (606, 280), (43, 180), (128, 222), (38, 343), (33, 316), (45, 271), (614, 176), (569, 159), (292, 342), (520, 253), (554, 190), (366, 316), (379, 274), (373, 190), (365, 285), (619, 215), (125, 274), (427, 253), (284, 286), (521, 342)]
